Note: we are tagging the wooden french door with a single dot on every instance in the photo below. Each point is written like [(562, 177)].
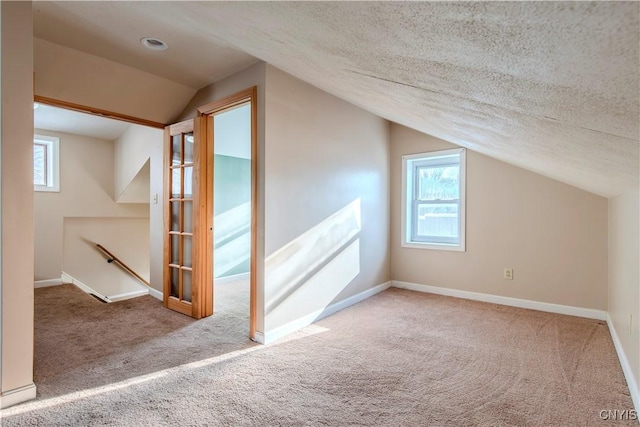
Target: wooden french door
[(187, 272)]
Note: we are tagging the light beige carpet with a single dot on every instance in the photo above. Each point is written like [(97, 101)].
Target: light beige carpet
[(398, 358)]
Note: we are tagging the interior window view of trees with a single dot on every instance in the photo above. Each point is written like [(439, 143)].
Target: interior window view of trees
[(438, 202)]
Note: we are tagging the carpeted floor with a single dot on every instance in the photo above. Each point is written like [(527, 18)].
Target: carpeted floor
[(81, 342), (398, 358)]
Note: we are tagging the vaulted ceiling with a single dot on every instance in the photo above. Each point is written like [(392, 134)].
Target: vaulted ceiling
[(553, 87)]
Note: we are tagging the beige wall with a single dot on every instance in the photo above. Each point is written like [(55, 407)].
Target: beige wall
[(16, 207), (70, 75), (624, 275), (245, 79), (127, 238), (554, 236), (326, 196), (86, 190), (156, 212), (132, 151)]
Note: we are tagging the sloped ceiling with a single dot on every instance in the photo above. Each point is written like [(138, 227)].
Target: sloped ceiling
[(549, 86)]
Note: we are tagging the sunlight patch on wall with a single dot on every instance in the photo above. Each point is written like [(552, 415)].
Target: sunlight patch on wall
[(232, 238), (229, 222), (309, 272), (318, 291)]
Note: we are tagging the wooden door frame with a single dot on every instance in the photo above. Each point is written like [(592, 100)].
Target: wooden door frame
[(96, 112), (205, 114)]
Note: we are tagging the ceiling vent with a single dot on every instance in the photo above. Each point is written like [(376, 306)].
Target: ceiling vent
[(153, 43)]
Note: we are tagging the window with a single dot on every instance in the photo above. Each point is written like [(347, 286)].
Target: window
[(433, 200), (46, 163)]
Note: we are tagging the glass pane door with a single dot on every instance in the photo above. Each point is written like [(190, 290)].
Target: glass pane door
[(185, 226), (181, 201)]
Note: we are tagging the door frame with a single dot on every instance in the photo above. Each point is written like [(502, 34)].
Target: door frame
[(96, 112), (205, 115)]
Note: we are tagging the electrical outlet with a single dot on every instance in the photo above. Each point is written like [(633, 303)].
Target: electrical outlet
[(508, 273)]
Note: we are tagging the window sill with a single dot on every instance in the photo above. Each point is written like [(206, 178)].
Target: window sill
[(434, 246), (46, 189)]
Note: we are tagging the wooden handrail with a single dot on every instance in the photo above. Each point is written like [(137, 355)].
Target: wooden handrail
[(111, 258)]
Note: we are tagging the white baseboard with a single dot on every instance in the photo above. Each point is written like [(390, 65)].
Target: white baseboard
[(281, 331), (259, 338), (626, 367), (47, 283), (589, 313), (66, 278), (70, 279), (17, 395), (129, 295), (228, 279), (156, 294)]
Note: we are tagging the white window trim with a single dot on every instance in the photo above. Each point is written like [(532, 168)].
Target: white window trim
[(53, 172), (406, 203)]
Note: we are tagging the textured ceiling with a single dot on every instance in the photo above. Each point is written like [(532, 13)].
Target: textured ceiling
[(549, 86)]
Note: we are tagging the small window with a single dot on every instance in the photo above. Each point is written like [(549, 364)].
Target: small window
[(433, 200), (46, 163)]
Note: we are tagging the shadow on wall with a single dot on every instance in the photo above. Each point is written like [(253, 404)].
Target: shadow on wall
[(306, 274)]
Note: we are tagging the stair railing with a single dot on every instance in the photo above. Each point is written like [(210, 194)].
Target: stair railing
[(112, 258)]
